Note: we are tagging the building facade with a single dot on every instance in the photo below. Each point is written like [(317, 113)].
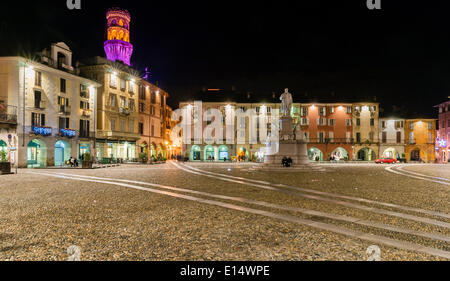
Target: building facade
[(392, 138), (198, 150), (117, 116), (48, 110), (328, 128), (173, 143), (365, 131), (153, 110), (443, 138), (420, 140)]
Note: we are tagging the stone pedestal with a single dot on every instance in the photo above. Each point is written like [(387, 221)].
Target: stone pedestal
[(292, 145)]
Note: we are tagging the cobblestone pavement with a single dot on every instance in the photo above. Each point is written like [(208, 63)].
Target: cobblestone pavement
[(204, 211)]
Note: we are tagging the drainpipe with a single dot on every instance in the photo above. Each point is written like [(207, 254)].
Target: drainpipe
[(95, 125), (23, 113)]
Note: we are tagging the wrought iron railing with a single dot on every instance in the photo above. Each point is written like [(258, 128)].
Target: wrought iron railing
[(8, 114)]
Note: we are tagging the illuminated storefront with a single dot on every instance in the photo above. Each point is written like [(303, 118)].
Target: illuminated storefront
[(83, 148), (37, 154), (315, 154), (224, 153), (116, 150), (62, 153)]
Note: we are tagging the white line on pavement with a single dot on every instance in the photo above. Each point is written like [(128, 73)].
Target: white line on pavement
[(319, 198), (401, 168), (410, 174), (405, 208), (280, 207), (324, 226)]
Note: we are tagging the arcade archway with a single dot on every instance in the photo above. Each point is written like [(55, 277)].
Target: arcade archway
[(315, 154), (62, 152), (36, 154)]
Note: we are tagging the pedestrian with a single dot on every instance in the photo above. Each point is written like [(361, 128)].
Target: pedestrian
[(284, 162), (72, 162), (289, 162)]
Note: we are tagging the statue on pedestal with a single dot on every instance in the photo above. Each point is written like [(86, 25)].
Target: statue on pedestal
[(289, 152), (286, 103)]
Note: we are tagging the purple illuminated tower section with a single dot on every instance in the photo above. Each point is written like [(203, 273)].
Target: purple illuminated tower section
[(118, 46)]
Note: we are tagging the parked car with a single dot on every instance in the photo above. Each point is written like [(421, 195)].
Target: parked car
[(386, 161)]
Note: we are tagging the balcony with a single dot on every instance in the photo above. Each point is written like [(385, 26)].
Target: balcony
[(67, 133), (124, 111), (65, 67), (86, 113), (86, 135), (84, 95), (118, 135), (47, 60), (392, 141), (64, 109), (8, 114), (39, 104), (330, 141)]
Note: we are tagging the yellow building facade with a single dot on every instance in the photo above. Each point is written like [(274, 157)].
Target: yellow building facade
[(117, 116), (420, 140), (366, 131)]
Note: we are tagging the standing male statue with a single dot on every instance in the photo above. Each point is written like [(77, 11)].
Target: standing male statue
[(286, 103)]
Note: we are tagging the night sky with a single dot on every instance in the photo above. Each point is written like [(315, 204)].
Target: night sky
[(400, 55)]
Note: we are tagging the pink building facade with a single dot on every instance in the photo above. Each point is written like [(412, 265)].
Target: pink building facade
[(443, 136)]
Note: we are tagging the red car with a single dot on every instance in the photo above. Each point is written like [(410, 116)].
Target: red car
[(387, 161)]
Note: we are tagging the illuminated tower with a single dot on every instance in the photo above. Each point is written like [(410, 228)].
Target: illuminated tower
[(118, 46)]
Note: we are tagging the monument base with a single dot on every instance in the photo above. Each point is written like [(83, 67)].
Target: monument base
[(291, 145), (296, 150)]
